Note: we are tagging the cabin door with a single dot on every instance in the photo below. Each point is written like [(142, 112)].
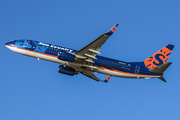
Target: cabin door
[(137, 69)]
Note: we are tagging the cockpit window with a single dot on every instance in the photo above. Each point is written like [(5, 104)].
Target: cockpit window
[(16, 41)]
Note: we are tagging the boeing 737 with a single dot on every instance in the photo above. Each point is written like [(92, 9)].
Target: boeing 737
[(87, 62)]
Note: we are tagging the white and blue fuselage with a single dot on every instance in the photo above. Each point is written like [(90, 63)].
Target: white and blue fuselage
[(102, 64)]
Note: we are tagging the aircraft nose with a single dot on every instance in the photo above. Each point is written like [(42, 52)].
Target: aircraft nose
[(9, 44)]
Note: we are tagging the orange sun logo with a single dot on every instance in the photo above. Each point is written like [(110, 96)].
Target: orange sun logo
[(158, 58)]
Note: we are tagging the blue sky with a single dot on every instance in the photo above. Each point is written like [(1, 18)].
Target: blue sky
[(32, 89)]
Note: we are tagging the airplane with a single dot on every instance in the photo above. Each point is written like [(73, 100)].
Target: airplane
[(87, 62)]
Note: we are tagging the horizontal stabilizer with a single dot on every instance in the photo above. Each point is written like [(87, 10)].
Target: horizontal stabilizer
[(160, 69), (162, 78)]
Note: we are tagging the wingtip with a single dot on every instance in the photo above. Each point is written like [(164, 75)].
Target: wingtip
[(107, 79), (111, 31)]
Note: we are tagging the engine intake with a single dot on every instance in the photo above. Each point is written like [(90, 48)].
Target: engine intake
[(66, 56), (67, 70)]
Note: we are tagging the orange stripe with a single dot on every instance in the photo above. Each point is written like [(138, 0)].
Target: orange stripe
[(122, 72)]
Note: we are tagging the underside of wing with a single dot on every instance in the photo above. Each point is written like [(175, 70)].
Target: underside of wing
[(89, 52)]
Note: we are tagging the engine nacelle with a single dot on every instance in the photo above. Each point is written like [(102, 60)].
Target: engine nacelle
[(66, 56), (67, 70)]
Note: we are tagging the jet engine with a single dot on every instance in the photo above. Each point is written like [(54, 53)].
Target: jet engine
[(67, 70), (66, 56)]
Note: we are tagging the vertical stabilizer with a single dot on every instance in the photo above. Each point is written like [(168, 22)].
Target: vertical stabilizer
[(159, 58)]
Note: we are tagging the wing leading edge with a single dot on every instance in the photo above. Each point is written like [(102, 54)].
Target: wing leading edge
[(86, 55)]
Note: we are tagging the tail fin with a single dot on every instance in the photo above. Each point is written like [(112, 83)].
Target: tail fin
[(159, 58)]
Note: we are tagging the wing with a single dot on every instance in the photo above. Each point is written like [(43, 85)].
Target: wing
[(89, 52), (92, 76)]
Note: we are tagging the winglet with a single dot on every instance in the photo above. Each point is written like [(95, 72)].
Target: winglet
[(107, 79), (111, 31)]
